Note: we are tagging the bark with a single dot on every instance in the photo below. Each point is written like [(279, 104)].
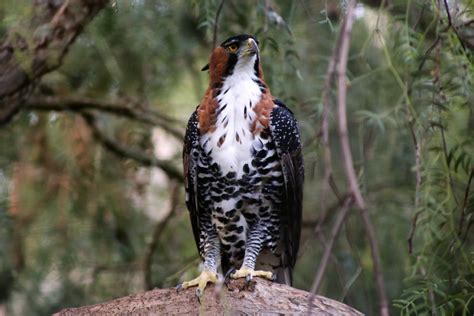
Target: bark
[(261, 296), (38, 47)]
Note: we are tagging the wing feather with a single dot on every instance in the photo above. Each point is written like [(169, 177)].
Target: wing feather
[(190, 161), (285, 133)]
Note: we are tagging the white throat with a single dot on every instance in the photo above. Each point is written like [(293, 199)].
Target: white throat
[(231, 143)]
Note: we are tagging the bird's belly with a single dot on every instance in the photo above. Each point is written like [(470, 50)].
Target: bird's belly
[(239, 210), (232, 157), (243, 195)]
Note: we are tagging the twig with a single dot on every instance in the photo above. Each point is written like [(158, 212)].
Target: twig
[(321, 220), (329, 245), (445, 151), (137, 112), (451, 25), (216, 24), (412, 232), (159, 229), (348, 162), (469, 225), (417, 160), (374, 250), (324, 131), (464, 204), (418, 180), (341, 107), (438, 37), (122, 151), (419, 16), (428, 51)]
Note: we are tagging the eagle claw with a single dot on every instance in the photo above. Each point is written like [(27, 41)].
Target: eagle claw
[(248, 278), (201, 282), (248, 274), (228, 275)]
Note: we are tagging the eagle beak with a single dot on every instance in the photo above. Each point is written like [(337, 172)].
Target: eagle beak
[(251, 48)]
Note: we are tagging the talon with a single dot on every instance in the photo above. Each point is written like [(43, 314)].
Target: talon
[(201, 282), (179, 287), (228, 275), (199, 293), (248, 278), (274, 277)]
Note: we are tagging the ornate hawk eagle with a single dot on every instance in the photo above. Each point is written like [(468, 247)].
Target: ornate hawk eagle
[(243, 170)]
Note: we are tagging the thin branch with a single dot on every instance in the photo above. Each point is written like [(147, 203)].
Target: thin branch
[(451, 25), (411, 235), (445, 152), (124, 152), (329, 245), (419, 16), (428, 51), (138, 112), (341, 107), (348, 162), (464, 204), (376, 258), (418, 180), (438, 36), (216, 24), (159, 229), (321, 220), (417, 159), (324, 133)]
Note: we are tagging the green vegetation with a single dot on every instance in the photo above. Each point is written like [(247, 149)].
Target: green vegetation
[(77, 220)]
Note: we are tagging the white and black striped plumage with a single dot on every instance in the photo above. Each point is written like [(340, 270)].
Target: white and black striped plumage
[(243, 168)]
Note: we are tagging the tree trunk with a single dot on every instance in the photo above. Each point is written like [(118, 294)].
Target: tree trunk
[(261, 296), (38, 47)]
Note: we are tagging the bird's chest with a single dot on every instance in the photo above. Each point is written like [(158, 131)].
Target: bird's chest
[(230, 144)]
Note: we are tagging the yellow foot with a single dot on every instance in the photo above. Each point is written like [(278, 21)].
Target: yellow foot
[(248, 274), (201, 282)]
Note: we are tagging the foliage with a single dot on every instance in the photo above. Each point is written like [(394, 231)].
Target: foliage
[(76, 221)]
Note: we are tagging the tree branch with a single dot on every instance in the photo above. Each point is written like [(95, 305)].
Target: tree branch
[(329, 245), (324, 131), (259, 297), (24, 58), (347, 157), (159, 229), (138, 112), (417, 145), (121, 151), (341, 106)]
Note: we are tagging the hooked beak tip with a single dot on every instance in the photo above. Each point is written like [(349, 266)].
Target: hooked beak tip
[(252, 47)]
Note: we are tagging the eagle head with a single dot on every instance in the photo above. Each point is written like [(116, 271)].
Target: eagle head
[(236, 54)]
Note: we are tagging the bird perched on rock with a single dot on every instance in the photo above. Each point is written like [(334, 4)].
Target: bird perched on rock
[(244, 172)]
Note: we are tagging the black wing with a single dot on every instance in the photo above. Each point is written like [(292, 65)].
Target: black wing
[(190, 161), (285, 133)]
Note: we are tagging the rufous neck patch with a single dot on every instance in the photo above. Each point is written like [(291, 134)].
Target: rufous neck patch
[(218, 66), (262, 110), (207, 115)]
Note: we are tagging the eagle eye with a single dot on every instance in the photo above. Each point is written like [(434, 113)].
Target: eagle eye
[(232, 48)]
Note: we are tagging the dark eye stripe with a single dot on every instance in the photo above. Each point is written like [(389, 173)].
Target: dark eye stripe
[(233, 42)]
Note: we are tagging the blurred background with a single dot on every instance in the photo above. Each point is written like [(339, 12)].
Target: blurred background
[(91, 194)]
